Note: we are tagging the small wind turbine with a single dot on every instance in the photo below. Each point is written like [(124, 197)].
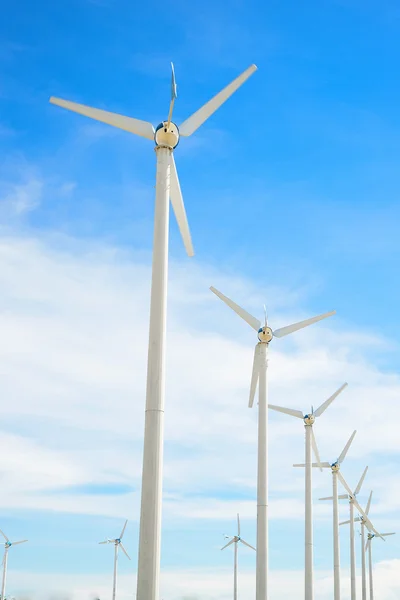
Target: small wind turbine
[(117, 544), (335, 468), (311, 445), (351, 496), (235, 540), (368, 548), (7, 546), (259, 376), (166, 137)]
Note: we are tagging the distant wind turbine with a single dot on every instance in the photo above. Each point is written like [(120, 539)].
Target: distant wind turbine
[(368, 548), (117, 544), (310, 445), (7, 546), (259, 377), (235, 540)]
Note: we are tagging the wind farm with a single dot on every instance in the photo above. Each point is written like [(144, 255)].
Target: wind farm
[(134, 403)]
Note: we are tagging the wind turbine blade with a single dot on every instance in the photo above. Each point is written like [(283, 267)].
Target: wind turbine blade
[(287, 411), (4, 535), (233, 540), (345, 522), (179, 208), (368, 504), (386, 534), (345, 484), (301, 324), (315, 449), (174, 95), (326, 498), (343, 496), (252, 321), (357, 519), (238, 524), (367, 521), (136, 126), (325, 405), (246, 544), (106, 542), (358, 488), (197, 119), (254, 375), (324, 465), (124, 551), (123, 530), (20, 542), (346, 449)]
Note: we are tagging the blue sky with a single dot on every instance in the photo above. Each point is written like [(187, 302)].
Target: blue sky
[(291, 190)]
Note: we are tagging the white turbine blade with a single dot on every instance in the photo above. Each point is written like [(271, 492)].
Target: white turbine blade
[(325, 405), (345, 484), (315, 449), (105, 542), (346, 449), (197, 119), (136, 126), (301, 324), (386, 534), (343, 496), (124, 551), (233, 540), (367, 521), (252, 321), (179, 208), (238, 524), (254, 375), (174, 95), (4, 535), (123, 530), (358, 488), (324, 465), (20, 542), (368, 504), (326, 498), (249, 545), (345, 522), (357, 519), (287, 411)]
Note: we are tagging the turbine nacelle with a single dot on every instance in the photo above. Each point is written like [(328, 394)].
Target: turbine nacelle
[(309, 419), (265, 335), (167, 134), (335, 467)]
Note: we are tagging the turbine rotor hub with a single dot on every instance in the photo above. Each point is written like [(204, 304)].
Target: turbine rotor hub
[(335, 467), (309, 419), (167, 136), (265, 335)]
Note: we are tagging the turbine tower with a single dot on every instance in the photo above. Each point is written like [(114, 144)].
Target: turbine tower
[(310, 446), (235, 540), (117, 544), (351, 496), (259, 376), (368, 548), (7, 546), (166, 137)]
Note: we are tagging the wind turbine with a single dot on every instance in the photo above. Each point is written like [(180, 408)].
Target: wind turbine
[(351, 496), (335, 468), (235, 540), (117, 544), (7, 546), (310, 445), (166, 137), (259, 376), (368, 547)]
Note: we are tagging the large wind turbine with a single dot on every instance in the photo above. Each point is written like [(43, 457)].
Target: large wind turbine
[(368, 547), (259, 376), (235, 540), (166, 137), (7, 546), (351, 496), (117, 544), (310, 445)]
